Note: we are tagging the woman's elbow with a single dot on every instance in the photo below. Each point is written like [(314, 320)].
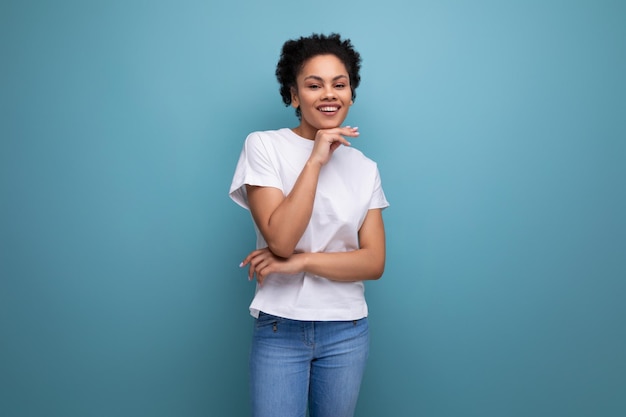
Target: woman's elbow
[(282, 251), (378, 275), (377, 270)]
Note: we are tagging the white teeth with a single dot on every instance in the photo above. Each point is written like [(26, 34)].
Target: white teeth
[(329, 109)]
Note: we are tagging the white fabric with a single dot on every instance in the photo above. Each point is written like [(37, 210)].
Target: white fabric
[(348, 186)]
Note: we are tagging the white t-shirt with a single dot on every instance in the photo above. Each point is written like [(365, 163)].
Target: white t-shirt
[(348, 186)]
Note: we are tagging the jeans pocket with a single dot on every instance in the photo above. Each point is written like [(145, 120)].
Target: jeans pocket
[(267, 320)]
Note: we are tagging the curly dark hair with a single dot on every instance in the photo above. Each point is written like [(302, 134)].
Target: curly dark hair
[(296, 52)]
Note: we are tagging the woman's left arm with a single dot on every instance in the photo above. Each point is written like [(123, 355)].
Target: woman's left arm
[(365, 263)]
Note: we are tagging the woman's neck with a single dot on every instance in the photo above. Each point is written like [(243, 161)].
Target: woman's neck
[(305, 132)]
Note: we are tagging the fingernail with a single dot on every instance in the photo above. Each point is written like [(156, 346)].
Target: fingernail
[(241, 264)]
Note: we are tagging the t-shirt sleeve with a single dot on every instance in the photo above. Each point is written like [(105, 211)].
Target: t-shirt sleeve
[(255, 167), (378, 200)]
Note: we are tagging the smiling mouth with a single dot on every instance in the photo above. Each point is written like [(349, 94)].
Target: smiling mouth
[(328, 109)]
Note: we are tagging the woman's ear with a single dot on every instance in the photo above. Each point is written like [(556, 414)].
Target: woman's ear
[(295, 101)]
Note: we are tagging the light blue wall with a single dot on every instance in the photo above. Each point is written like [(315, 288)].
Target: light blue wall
[(499, 128)]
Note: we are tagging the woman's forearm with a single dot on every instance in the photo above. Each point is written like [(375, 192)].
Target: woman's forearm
[(365, 263), (357, 265)]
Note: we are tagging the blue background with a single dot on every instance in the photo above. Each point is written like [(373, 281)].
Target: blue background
[(500, 132)]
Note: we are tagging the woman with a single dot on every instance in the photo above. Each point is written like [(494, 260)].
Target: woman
[(316, 205)]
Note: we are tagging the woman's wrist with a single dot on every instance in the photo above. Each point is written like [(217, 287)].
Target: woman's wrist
[(302, 259), (312, 163)]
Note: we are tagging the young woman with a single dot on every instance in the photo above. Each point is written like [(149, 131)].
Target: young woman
[(316, 203)]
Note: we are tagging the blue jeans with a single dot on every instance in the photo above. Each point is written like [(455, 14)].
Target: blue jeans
[(294, 362)]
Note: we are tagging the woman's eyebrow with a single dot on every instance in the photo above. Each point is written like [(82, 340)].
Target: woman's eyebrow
[(318, 78)]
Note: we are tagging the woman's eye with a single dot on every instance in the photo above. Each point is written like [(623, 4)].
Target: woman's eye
[(314, 87), (340, 86)]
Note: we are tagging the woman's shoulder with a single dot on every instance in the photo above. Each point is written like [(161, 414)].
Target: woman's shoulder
[(267, 134), (284, 139), (265, 138)]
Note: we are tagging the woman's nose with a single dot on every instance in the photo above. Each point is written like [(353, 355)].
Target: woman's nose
[(329, 92)]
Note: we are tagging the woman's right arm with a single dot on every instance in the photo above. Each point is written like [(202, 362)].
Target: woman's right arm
[(282, 219)]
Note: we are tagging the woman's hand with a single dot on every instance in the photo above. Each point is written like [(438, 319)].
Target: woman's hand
[(327, 140), (263, 262)]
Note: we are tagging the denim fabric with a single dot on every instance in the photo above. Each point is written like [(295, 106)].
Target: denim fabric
[(294, 361)]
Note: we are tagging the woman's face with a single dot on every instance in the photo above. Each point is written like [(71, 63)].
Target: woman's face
[(323, 94)]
